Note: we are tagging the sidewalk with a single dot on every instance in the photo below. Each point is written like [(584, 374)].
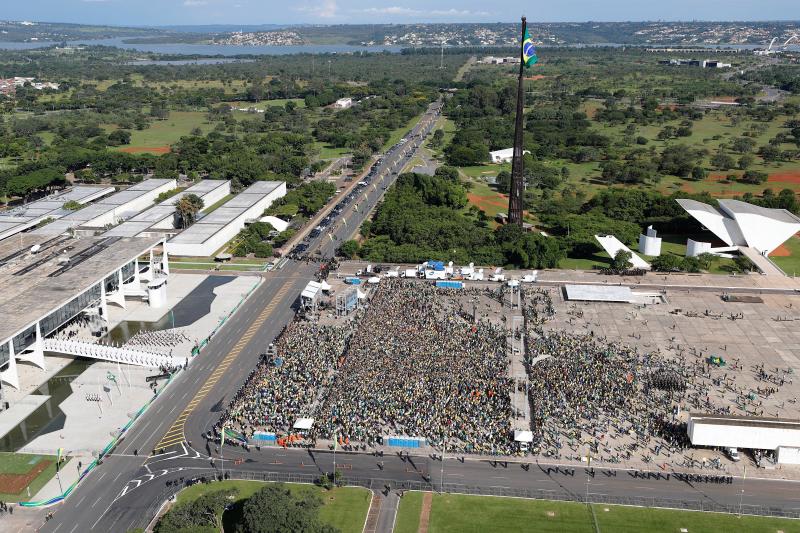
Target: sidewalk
[(69, 474)]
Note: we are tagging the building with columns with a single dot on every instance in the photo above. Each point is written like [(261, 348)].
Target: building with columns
[(49, 281)]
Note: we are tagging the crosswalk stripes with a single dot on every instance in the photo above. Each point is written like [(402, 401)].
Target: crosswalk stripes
[(175, 433)]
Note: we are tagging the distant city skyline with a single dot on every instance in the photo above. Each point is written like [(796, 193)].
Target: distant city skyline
[(248, 12)]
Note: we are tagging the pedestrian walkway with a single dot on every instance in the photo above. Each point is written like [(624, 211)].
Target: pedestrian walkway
[(425, 512), (767, 267), (371, 523)]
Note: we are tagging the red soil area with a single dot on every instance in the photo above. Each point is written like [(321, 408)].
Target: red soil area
[(724, 98), (143, 149), (15, 483), (537, 77), (785, 177), (485, 201), (781, 251)]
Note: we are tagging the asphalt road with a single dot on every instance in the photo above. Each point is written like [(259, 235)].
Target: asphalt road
[(125, 491)]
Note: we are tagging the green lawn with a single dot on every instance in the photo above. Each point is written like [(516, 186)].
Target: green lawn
[(344, 508), (21, 463), (789, 264), (481, 514), (299, 102), (329, 152), (670, 244), (407, 520), (163, 133)]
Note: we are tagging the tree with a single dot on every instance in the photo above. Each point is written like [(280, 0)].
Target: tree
[(699, 173), (503, 182), (754, 177), (349, 249), (186, 209), (722, 161), (72, 205), (119, 137), (621, 260), (274, 509), (438, 138), (667, 263), (204, 512), (745, 161)]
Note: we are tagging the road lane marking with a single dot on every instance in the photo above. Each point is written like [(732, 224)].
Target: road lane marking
[(175, 432)]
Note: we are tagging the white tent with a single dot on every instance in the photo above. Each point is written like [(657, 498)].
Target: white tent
[(303, 424), (523, 436), (275, 222)]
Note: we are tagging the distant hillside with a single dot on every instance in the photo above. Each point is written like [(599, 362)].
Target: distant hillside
[(21, 31)]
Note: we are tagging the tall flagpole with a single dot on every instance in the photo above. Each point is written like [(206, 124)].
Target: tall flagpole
[(517, 178)]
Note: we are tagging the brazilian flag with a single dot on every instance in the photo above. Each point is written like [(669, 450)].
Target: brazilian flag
[(529, 57)]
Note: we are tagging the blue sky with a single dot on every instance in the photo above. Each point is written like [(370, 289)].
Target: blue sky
[(158, 12)]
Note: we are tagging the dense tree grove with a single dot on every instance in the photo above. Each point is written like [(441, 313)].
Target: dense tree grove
[(422, 217)]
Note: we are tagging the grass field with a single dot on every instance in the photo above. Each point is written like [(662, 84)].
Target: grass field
[(344, 508), (789, 263), (13, 466), (480, 514), (162, 133), (329, 152), (299, 102)]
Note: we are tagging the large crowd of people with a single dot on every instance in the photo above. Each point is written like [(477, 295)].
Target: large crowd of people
[(284, 388), (586, 389), (416, 368), (407, 365)]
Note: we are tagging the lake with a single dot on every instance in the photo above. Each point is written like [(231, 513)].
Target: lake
[(211, 49)]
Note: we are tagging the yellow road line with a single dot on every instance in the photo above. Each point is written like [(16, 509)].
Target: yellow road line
[(175, 433)]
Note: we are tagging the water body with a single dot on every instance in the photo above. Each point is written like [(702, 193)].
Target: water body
[(48, 417), (210, 49), (206, 61)]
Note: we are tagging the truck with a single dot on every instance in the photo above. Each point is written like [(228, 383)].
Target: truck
[(409, 273), (498, 275)]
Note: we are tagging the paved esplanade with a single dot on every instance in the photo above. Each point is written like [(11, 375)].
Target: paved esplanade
[(122, 492)]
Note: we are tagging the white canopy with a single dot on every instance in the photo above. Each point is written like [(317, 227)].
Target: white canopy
[(311, 290), (374, 280), (324, 285), (361, 295), (303, 423), (523, 436), (275, 222)]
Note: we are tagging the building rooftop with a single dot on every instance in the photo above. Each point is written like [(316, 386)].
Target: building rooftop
[(36, 284), (26, 216), (208, 225)]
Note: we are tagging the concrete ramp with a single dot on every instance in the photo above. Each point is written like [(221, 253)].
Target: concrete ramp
[(612, 245), (764, 264), (109, 353)]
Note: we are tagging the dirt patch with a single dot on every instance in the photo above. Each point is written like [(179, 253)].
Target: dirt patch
[(781, 251), (483, 202), (145, 150), (537, 77), (728, 99), (785, 177), (16, 483), (425, 513)]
